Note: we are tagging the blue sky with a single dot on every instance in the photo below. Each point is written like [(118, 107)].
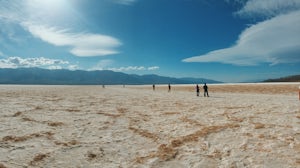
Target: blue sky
[(226, 40)]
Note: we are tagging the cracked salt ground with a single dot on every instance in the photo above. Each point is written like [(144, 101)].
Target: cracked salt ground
[(90, 126)]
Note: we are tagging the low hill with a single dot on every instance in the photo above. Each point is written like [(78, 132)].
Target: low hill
[(79, 77), (294, 78)]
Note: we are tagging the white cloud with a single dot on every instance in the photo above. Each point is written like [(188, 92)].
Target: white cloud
[(153, 68), (273, 41), (17, 62), (268, 8), (134, 68), (125, 2), (4, 64), (54, 67), (129, 68), (30, 15), (101, 65), (82, 44), (73, 67), (106, 64)]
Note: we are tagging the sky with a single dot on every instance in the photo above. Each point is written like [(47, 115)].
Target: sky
[(224, 40)]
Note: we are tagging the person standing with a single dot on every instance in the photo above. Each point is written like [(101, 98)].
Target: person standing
[(153, 87), (169, 86), (197, 89), (299, 92), (205, 88)]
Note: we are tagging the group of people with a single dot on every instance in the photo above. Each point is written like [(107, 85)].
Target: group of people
[(169, 87), (205, 88)]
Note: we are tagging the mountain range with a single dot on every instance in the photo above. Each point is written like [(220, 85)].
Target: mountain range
[(294, 78), (79, 77)]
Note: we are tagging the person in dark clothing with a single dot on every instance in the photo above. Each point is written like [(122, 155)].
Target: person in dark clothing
[(205, 88), (153, 86), (169, 86), (197, 89)]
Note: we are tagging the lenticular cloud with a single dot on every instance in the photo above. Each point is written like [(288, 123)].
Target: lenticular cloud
[(272, 41), (32, 19), (82, 44)]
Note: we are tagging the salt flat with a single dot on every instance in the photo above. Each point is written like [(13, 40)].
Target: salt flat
[(90, 126)]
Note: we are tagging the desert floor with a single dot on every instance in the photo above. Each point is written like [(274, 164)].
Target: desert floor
[(247, 125)]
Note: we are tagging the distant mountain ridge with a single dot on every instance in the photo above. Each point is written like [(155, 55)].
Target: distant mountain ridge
[(294, 78), (79, 77)]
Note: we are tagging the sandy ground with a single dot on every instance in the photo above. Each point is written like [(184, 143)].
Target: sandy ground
[(90, 126)]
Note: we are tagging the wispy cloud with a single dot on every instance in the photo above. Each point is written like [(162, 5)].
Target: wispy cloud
[(275, 40), (134, 68), (129, 68), (107, 64), (53, 67), (82, 44), (125, 2), (73, 67), (29, 16), (268, 8), (18, 62), (102, 64), (153, 68)]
